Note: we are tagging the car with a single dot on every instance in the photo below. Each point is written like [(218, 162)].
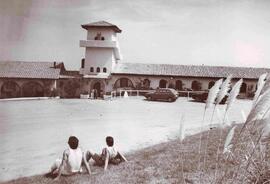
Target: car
[(202, 97), (162, 94)]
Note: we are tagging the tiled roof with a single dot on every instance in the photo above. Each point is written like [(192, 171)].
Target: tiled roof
[(102, 24), (67, 74), (188, 70), (20, 69)]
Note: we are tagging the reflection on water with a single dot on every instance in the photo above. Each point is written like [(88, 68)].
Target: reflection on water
[(34, 133)]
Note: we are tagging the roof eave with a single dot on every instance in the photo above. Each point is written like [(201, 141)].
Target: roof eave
[(115, 28), (171, 75)]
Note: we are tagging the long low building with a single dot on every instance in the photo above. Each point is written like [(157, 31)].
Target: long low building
[(31, 79), (186, 77), (179, 77), (27, 79), (103, 71), (37, 79)]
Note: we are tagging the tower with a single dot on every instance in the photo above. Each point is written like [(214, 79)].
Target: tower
[(102, 50)]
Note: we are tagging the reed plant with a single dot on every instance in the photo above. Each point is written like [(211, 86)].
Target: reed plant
[(209, 102), (249, 149)]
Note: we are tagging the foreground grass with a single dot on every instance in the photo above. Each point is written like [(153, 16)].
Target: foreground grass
[(162, 163)]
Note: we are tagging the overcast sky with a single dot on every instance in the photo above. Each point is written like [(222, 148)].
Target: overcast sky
[(210, 32)]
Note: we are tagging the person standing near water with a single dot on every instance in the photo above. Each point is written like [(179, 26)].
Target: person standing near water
[(95, 93)]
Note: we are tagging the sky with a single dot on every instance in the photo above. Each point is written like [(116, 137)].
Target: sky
[(198, 32)]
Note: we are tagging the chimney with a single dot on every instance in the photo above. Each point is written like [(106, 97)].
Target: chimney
[(54, 64)]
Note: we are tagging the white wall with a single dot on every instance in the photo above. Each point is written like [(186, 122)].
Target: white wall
[(98, 57)]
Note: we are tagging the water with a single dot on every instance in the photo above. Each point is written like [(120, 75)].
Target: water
[(34, 133)]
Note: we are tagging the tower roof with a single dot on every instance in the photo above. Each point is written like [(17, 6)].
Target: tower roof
[(101, 24)]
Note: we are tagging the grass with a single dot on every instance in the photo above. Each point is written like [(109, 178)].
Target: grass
[(156, 164), (162, 163)]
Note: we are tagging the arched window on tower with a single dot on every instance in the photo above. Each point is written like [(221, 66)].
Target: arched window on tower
[(82, 63), (104, 70), (98, 69), (92, 69)]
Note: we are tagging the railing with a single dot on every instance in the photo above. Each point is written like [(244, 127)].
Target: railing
[(188, 93), (130, 92)]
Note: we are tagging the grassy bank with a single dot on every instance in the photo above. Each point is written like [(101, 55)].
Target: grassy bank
[(170, 162)]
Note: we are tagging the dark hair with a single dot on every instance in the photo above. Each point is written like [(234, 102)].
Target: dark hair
[(73, 142), (109, 140)]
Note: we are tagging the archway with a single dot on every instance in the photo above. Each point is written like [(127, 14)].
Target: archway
[(97, 88), (211, 84), (179, 85), (32, 89), (162, 83), (146, 83), (243, 88), (10, 89), (123, 83), (196, 86)]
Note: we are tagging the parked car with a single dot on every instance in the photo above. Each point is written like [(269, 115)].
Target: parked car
[(163, 94), (202, 97)]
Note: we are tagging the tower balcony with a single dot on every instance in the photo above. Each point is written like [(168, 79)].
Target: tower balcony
[(98, 43)]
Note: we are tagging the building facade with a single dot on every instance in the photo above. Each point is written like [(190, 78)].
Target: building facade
[(103, 70)]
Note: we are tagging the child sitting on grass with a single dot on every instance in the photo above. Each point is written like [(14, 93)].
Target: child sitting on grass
[(72, 160), (109, 155)]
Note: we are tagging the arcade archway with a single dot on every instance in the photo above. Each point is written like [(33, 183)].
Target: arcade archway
[(32, 89), (10, 89)]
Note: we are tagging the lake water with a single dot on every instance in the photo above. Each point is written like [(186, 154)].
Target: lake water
[(34, 133)]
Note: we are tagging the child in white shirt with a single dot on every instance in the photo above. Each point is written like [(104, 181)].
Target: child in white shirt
[(72, 160), (109, 155)]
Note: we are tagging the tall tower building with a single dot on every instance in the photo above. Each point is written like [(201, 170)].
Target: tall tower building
[(102, 50)]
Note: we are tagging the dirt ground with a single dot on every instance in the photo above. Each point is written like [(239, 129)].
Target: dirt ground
[(34, 133)]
